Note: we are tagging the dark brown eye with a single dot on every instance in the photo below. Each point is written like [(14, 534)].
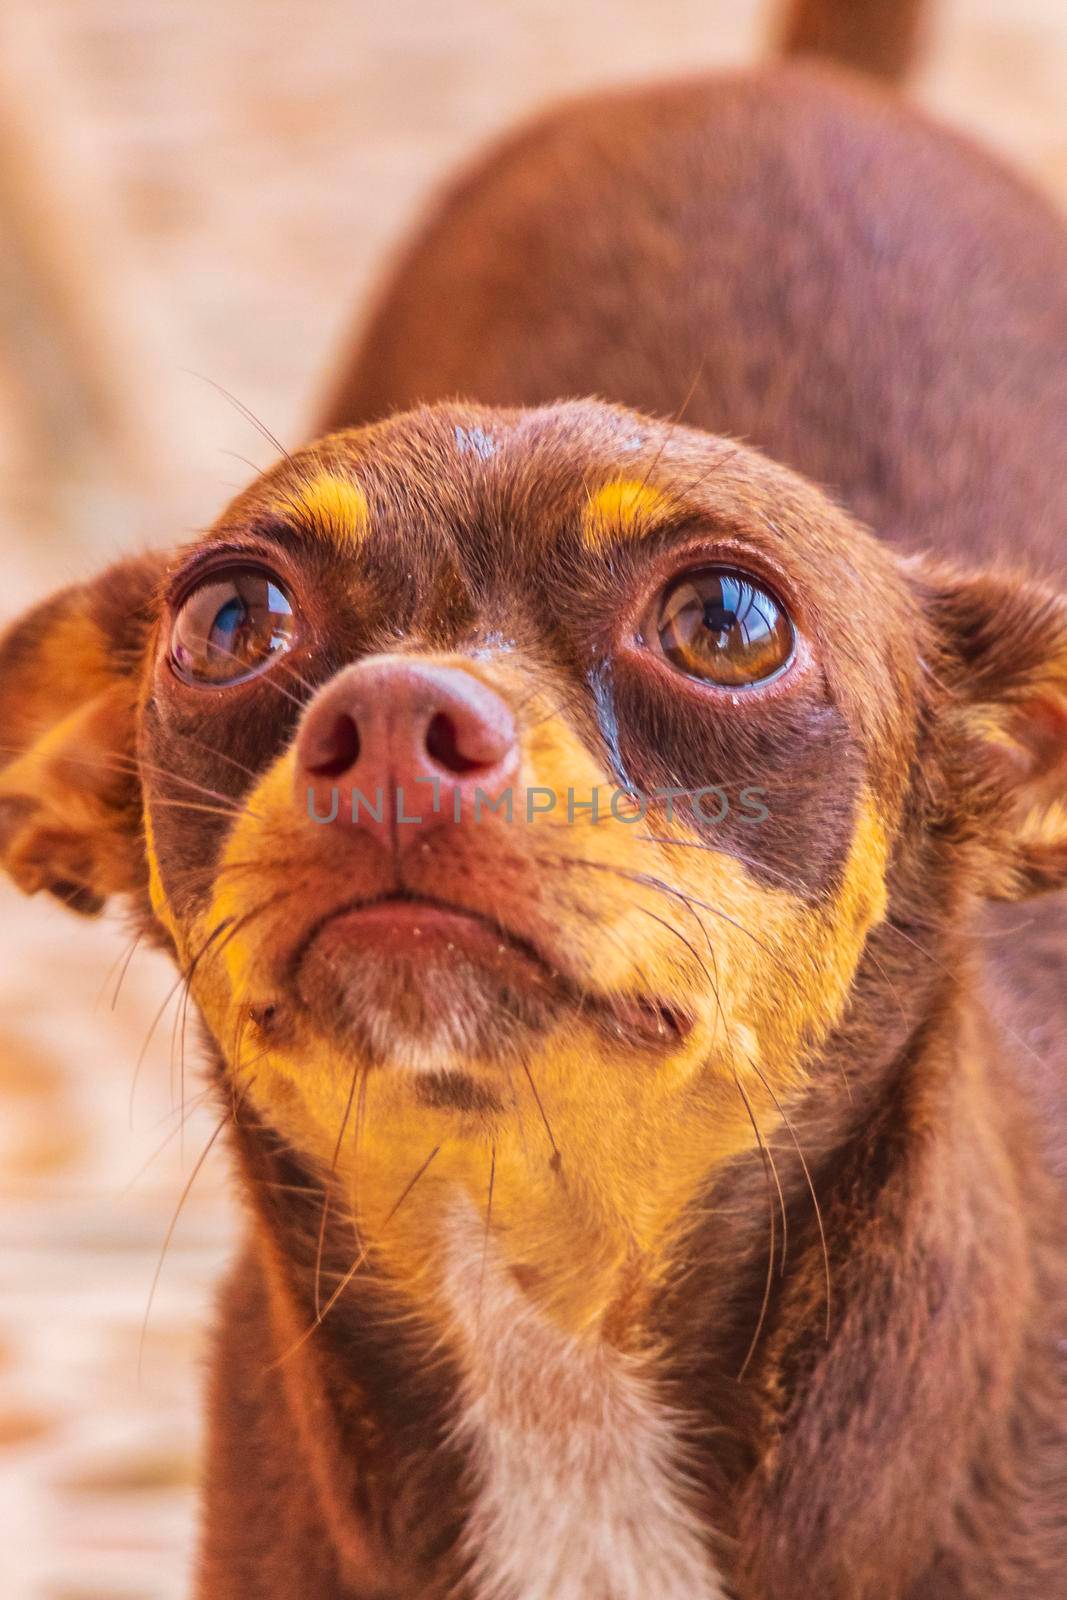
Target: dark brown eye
[(233, 624), (723, 627)]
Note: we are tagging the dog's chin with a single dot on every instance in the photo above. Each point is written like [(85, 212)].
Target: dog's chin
[(432, 1012), (447, 994)]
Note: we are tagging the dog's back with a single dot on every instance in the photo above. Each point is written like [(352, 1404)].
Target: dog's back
[(788, 256)]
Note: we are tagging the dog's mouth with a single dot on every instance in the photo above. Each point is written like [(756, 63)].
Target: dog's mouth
[(420, 980)]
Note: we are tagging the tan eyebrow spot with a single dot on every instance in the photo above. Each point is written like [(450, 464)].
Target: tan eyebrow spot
[(334, 507), (625, 508)]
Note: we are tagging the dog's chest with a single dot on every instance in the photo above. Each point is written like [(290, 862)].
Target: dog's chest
[(578, 1491)]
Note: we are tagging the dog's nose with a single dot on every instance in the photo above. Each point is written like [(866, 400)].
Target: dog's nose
[(393, 744)]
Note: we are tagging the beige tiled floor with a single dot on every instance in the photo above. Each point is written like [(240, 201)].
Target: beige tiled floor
[(220, 180)]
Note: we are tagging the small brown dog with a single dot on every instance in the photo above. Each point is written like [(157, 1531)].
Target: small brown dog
[(579, 834)]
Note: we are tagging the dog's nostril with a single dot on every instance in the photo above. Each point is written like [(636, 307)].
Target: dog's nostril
[(442, 743), (336, 748)]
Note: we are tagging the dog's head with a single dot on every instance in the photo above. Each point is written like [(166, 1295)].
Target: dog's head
[(533, 782)]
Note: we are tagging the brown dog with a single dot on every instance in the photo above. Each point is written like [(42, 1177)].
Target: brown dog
[(578, 832)]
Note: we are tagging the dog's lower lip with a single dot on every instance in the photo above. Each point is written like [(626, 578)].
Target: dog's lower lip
[(414, 925)]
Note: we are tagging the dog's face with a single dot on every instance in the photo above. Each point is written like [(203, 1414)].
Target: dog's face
[(518, 792)]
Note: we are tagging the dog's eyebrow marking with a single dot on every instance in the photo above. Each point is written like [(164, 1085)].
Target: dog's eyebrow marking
[(623, 509), (330, 507)]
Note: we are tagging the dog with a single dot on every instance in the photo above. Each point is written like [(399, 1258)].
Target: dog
[(592, 832)]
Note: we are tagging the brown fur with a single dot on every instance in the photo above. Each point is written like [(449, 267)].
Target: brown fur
[(872, 1409)]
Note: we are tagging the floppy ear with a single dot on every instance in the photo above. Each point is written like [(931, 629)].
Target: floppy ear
[(70, 803), (1001, 656)]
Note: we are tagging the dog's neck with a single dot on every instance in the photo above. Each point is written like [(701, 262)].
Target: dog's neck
[(704, 1408)]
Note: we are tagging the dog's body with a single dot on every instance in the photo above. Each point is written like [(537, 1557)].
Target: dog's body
[(794, 258), (579, 1359)]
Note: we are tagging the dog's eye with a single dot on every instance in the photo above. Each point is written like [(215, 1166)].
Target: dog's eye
[(723, 627), (231, 626)]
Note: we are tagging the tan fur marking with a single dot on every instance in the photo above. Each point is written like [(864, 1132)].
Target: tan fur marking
[(624, 509), (334, 507)]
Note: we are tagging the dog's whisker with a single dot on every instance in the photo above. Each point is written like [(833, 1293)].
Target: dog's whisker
[(205, 1152), (556, 1163), (327, 1185), (485, 1240), (245, 411), (357, 1264), (810, 1184), (768, 1167)]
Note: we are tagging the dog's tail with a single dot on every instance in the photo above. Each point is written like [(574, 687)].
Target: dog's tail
[(880, 37)]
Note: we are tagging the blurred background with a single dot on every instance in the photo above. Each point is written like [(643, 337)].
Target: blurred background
[(195, 197)]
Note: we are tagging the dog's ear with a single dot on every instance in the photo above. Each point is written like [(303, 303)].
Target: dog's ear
[(1000, 678), (70, 803)]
